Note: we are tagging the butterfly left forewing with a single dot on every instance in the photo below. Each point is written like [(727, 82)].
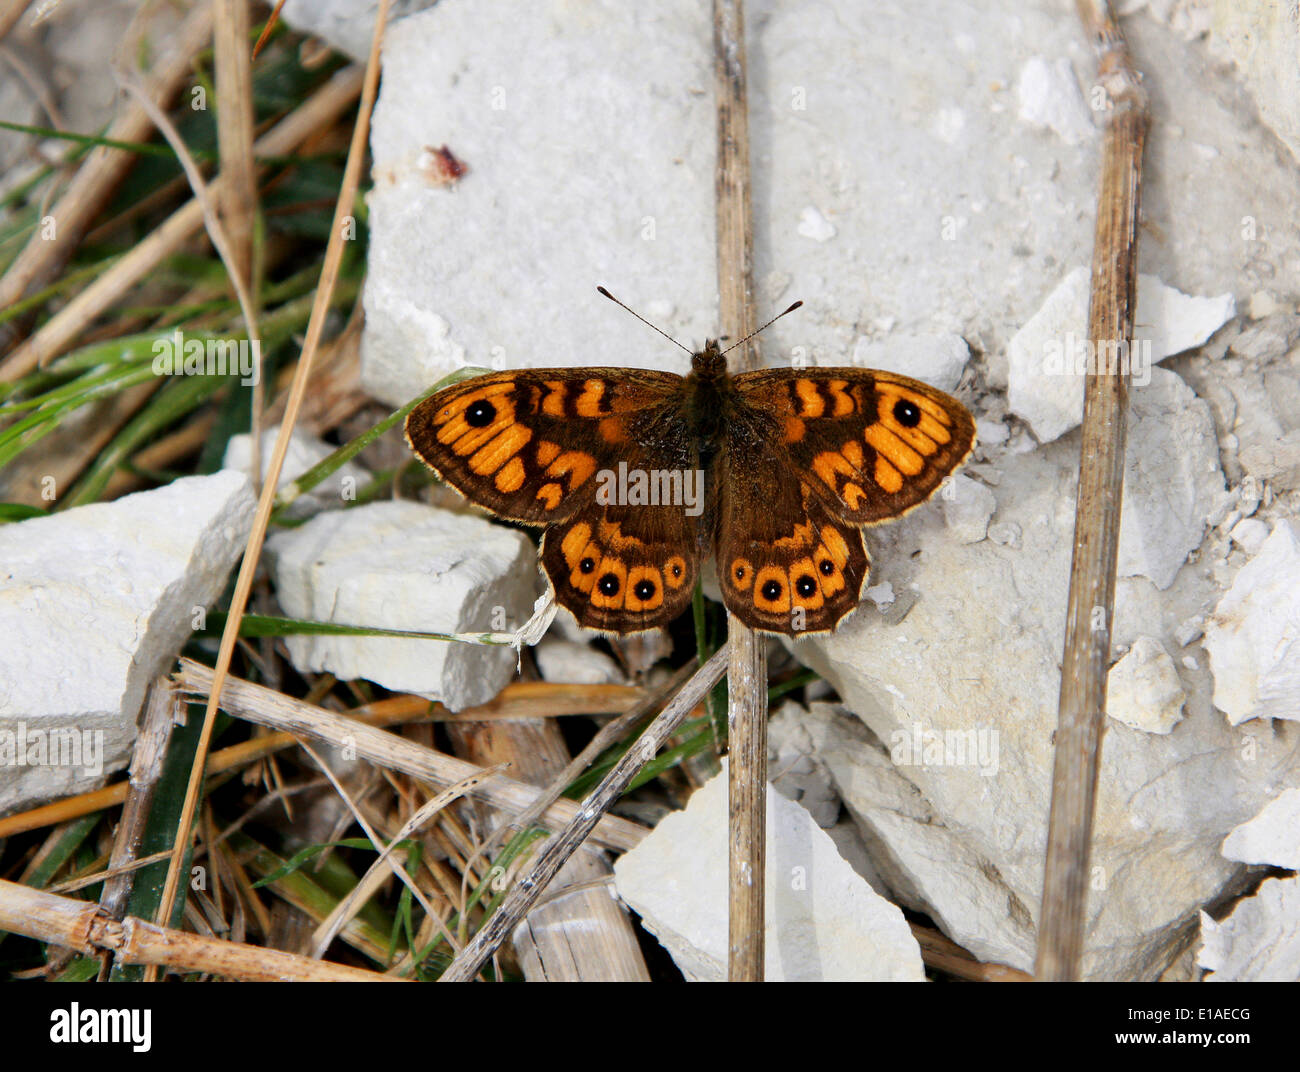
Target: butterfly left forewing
[(529, 444), (875, 444)]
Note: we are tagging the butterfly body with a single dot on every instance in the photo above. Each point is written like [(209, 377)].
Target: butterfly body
[(792, 463)]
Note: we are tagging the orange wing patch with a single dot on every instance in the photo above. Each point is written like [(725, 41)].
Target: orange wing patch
[(615, 580)]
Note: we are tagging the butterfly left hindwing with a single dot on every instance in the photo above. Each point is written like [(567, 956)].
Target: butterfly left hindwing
[(623, 569)]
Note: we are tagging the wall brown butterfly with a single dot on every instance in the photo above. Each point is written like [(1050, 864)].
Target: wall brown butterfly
[(794, 462)]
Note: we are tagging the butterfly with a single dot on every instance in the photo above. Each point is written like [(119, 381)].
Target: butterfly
[(639, 475)]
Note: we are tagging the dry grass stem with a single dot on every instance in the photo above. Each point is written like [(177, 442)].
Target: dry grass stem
[(243, 699), (323, 108), (747, 675), (156, 723), (103, 168), (1097, 511), (590, 814), (348, 906), (82, 927), (252, 552)]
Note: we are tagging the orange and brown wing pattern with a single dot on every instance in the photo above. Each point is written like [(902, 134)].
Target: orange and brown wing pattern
[(623, 569), (528, 444), (875, 444), (786, 563)]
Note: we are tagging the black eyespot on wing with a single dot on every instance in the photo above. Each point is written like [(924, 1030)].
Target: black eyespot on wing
[(805, 586), (608, 585), (906, 413), (772, 591), (587, 565), (827, 567), (480, 414), (644, 590)]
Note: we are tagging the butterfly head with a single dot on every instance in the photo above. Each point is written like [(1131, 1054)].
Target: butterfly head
[(709, 364)]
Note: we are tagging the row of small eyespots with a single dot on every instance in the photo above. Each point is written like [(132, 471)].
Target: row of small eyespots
[(608, 581), (808, 583)]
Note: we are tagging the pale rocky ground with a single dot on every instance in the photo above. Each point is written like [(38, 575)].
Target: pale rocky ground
[(925, 181), (925, 178)]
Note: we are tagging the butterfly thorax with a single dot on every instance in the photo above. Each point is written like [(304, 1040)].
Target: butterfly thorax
[(708, 395)]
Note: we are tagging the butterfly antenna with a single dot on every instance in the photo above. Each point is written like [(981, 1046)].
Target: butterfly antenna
[(647, 322), (763, 328)]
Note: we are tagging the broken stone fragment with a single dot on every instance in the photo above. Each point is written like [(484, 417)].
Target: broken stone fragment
[(1272, 837), (1143, 689), (1051, 352), (336, 490), (95, 602), (1253, 636), (403, 565), (824, 922)]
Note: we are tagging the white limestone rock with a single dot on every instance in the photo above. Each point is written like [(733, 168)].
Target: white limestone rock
[(968, 506), (1049, 355), (991, 433), (882, 595), (403, 565), (1253, 636), (1272, 837), (812, 224), (1172, 479), (597, 167), (95, 602), (1143, 689), (576, 663), (588, 161), (930, 672), (913, 856), (796, 772), (1050, 97), (1260, 941), (1264, 39), (1250, 533), (1277, 461), (824, 923), (305, 451), (347, 25), (939, 360)]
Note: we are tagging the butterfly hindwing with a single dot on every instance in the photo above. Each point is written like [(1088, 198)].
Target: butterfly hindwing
[(623, 569), (528, 444), (876, 443), (786, 563)]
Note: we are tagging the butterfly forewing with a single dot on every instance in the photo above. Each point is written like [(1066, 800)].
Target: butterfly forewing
[(875, 443), (528, 445)]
